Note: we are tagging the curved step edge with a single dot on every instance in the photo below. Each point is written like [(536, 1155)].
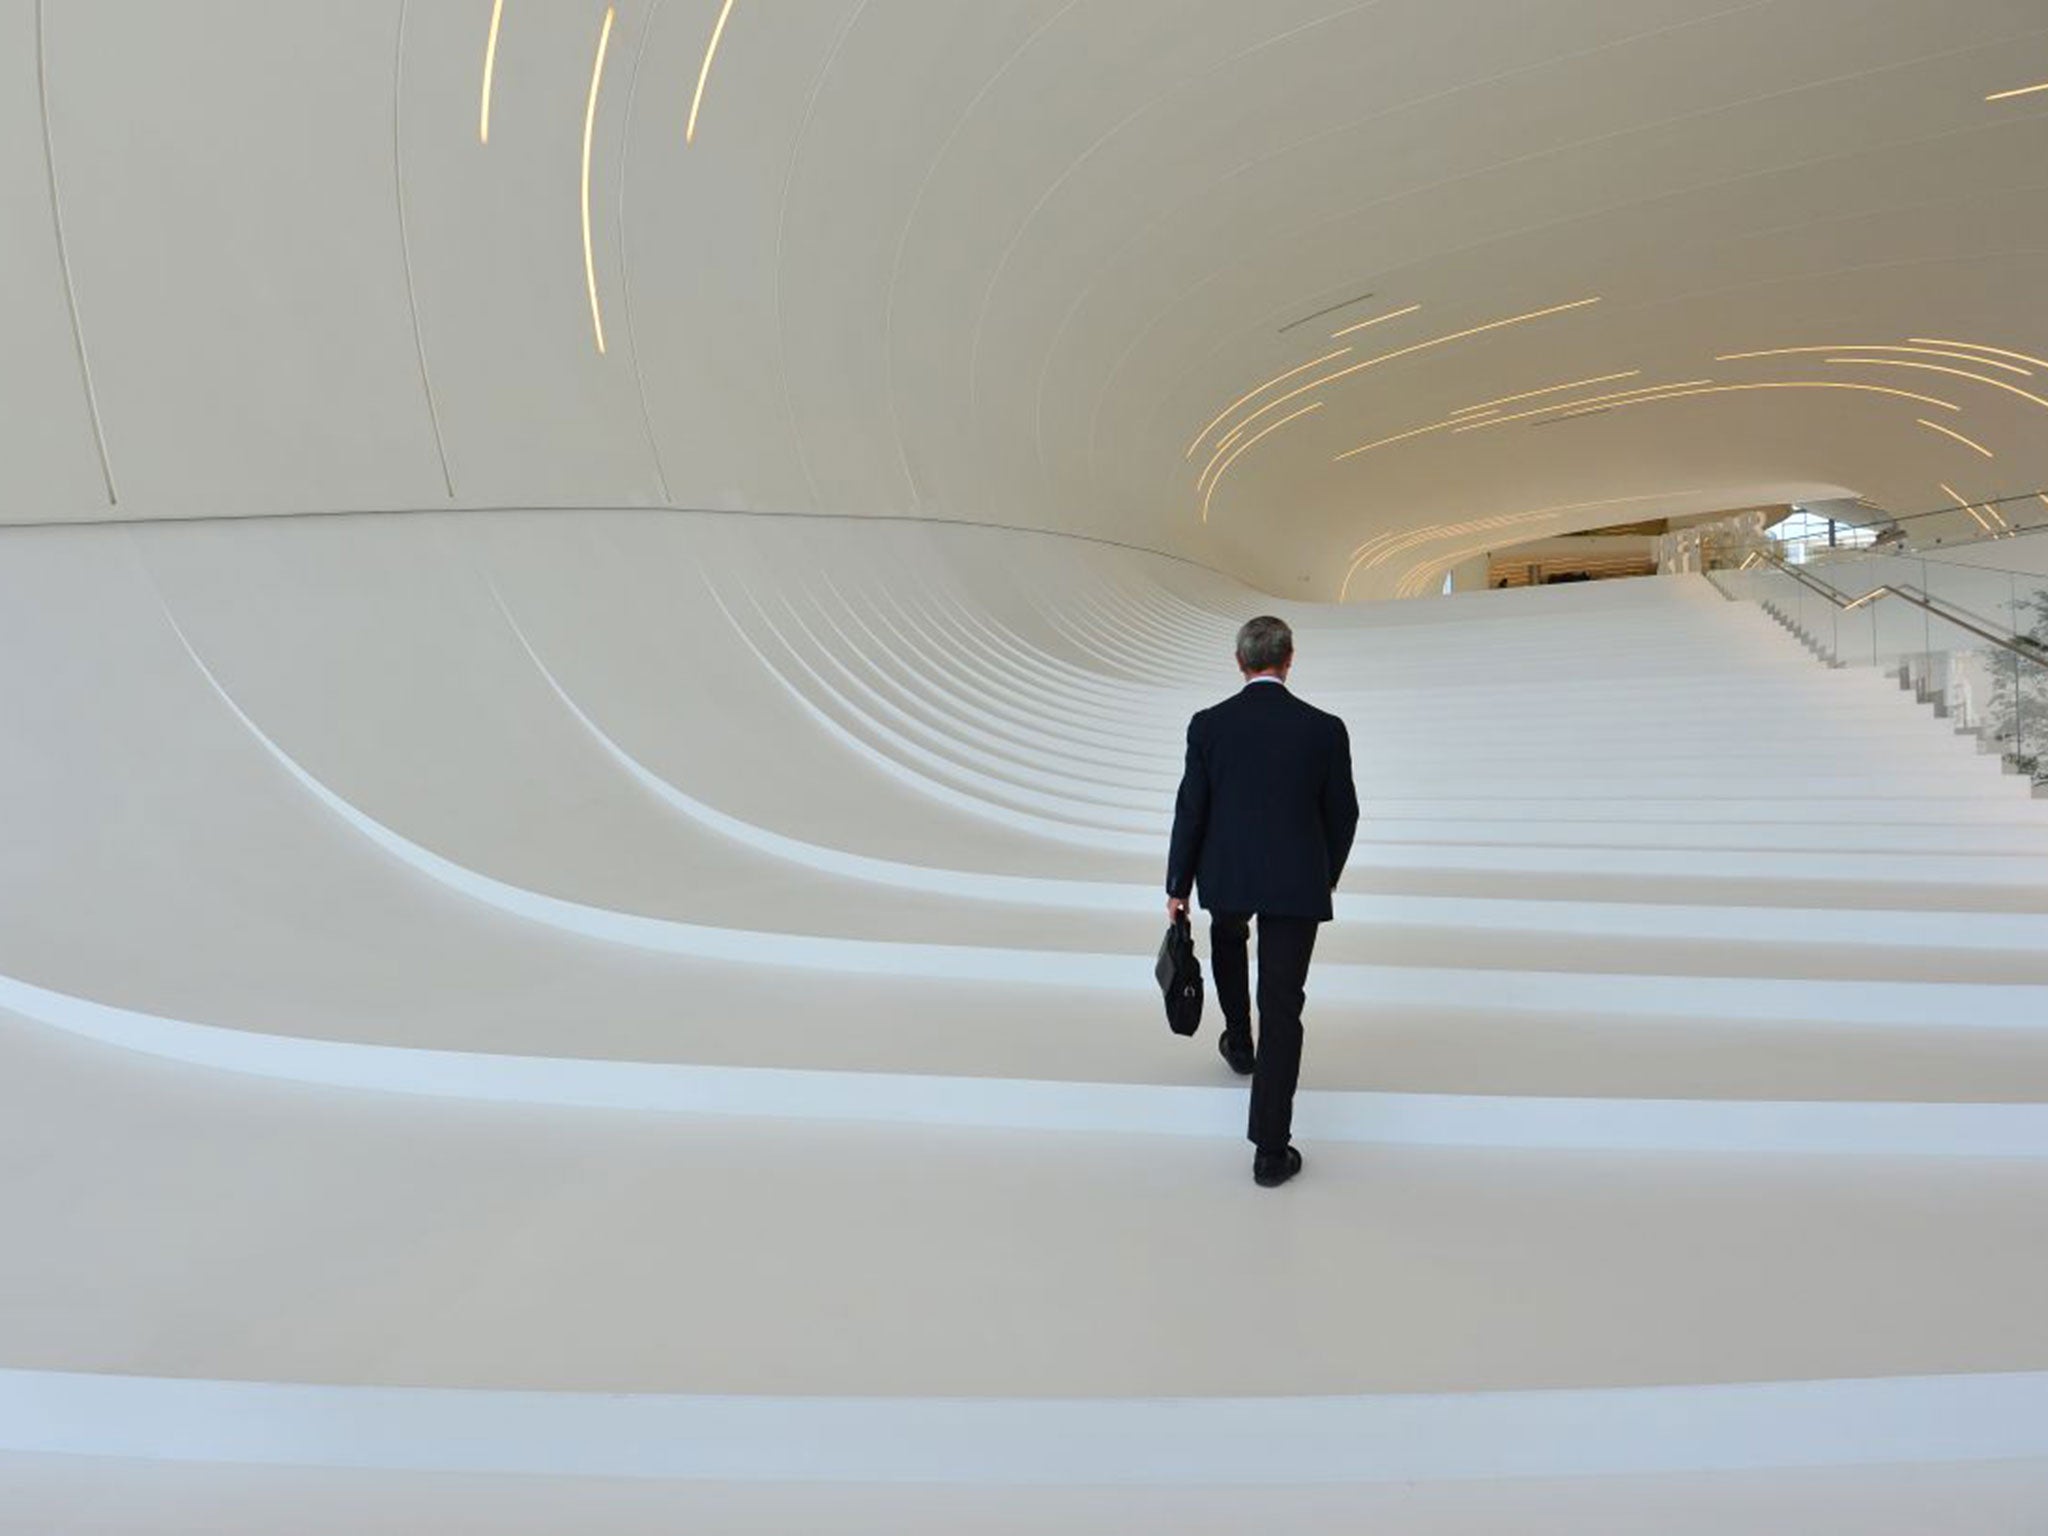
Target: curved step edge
[(988, 1103), (1425, 1437)]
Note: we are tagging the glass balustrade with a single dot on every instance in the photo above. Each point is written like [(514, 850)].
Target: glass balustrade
[(1963, 625)]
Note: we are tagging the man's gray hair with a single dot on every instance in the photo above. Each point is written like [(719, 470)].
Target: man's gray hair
[(1264, 643)]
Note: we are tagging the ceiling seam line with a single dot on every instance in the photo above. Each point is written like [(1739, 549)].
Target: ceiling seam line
[(92, 398), (625, 253), (412, 298)]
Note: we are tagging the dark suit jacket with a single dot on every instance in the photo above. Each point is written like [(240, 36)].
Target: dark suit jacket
[(1266, 810)]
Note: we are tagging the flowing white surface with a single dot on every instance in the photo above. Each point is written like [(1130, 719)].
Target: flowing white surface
[(809, 871)]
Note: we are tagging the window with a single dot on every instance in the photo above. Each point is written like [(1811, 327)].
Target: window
[(1805, 533)]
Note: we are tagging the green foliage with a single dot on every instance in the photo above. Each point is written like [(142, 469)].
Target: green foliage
[(2017, 714)]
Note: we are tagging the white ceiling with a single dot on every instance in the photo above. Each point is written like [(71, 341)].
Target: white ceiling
[(1001, 260)]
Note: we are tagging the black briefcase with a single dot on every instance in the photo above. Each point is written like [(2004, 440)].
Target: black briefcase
[(1180, 978)]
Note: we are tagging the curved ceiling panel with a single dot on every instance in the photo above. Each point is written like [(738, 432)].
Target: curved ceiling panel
[(1327, 293)]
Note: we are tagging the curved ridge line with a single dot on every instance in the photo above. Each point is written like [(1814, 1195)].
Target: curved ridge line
[(1000, 780), (943, 793), (1734, 924), (1484, 1435), (672, 935), (989, 1103), (953, 730), (1021, 889)]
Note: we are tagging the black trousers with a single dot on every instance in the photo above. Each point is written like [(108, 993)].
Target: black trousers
[(1285, 947)]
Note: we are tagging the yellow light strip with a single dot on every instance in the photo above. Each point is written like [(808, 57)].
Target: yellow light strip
[(704, 74), (1418, 577), (1403, 539), (1467, 424), (1377, 551), (1420, 346), (1548, 389), (1727, 357), (1889, 362), (483, 121), (1202, 480), (1978, 346), (1729, 389), (2025, 90), (1967, 442), (1398, 437), (1392, 314), (1238, 452), (1957, 497), (1571, 405), (604, 40), (1494, 531), (1278, 378)]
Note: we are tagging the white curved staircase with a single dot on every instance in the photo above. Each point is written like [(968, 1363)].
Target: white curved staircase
[(660, 1004)]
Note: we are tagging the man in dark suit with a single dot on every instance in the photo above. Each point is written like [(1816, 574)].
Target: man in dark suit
[(1261, 829)]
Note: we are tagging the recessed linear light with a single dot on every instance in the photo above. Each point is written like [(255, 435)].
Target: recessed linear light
[(1419, 576), (1377, 551), (1420, 346), (604, 39), (1674, 393), (1457, 423), (1278, 378), (1729, 357), (1548, 389), (1967, 442), (1573, 405), (1957, 497), (2025, 90), (704, 73), (1979, 378), (1392, 314), (1398, 437), (2000, 516), (1407, 538), (1202, 480), (1238, 452), (483, 121), (1978, 346)]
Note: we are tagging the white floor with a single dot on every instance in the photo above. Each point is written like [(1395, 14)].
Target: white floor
[(452, 966)]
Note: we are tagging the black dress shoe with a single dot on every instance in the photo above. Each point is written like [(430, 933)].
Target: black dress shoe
[(1270, 1169), (1237, 1049)]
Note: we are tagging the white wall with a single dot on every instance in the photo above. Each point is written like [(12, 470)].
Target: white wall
[(999, 262)]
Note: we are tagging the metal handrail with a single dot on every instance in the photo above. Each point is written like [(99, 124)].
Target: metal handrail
[(1885, 520), (2020, 645)]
